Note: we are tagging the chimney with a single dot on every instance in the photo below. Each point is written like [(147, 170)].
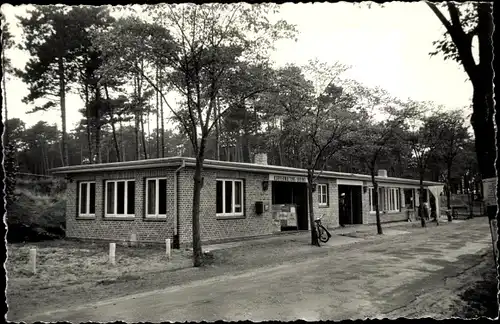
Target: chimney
[(260, 158), (382, 173)]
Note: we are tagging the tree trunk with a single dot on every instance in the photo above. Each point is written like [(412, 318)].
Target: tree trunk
[(112, 122), (375, 201), (157, 119), (421, 200), (136, 120), (5, 129), (448, 189), (197, 253), (143, 137), (98, 124), (217, 131), (89, 122), (62, 98), (162, 119), (310, 205)]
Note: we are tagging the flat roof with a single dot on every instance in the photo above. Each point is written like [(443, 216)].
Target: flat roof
[(224, 165)]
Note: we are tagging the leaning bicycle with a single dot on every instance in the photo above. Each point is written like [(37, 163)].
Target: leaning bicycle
[(323, 234)]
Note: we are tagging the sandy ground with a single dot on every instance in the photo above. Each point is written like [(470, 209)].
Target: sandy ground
[(414, 274)]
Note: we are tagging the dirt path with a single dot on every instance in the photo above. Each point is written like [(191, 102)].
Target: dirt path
[(415, 274)]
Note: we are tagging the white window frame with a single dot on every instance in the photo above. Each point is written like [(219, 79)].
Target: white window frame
[(157, 198), (115, 207), (87, 214), (394, 199), (322, 189), (232, 213), (370, 199)]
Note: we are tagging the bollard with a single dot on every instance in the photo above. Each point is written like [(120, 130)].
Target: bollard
[(112, 248), (33, 260), (167, 248), (133, 239)]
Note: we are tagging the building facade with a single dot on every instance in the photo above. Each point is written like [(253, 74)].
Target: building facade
[(151, 200)]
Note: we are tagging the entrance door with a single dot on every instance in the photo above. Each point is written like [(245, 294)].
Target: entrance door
[(300, 199), (350, 205)]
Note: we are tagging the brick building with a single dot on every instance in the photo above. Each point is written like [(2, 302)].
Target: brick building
[(151, 200)]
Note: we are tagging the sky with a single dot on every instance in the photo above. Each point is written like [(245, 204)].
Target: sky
[(387, 47)]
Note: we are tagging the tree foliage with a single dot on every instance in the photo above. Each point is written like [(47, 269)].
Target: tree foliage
[(469, 21)]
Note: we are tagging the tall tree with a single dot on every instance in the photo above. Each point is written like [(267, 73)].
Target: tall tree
[(320, 119), (211, 39), (467, 21), (383, 118), (7, 43), (454, 136), (54, 37), (424, 141)]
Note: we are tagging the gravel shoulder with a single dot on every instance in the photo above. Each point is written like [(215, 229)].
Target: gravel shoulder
[(374, 257)]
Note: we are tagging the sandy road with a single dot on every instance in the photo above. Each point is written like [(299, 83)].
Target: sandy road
[(394, 276)]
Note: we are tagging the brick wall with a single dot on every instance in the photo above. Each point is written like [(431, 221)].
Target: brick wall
[(215, 228), (330, 212), (101, 228)]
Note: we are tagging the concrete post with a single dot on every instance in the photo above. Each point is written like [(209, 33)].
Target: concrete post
[(112, 249), (167, 248), (33, 260)]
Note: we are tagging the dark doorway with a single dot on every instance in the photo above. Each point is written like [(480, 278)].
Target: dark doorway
[(290, 193), (350, 205)]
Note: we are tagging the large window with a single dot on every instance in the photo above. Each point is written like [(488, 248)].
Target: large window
[(322, 194), (156, 198), (86, 199), (229, 201), (120, 198), (388, 199)]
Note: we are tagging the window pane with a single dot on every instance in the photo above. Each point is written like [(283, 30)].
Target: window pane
[(229, 197), (120, 198), (162, 189), (237, 197), (151, 197), (131, 197), (218, 194), (324, 198), (110, 197), (92, 199), (83, 198)]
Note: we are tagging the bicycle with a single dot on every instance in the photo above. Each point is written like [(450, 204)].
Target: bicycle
[(323, 234)]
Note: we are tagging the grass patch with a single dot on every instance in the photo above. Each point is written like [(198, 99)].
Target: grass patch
[(63, 263)]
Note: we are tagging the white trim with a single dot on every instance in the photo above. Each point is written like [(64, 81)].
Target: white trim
[(157, 198), (321, 193), (349, 182), (233, 207), (115, 189), (391, 198), (87, 204)]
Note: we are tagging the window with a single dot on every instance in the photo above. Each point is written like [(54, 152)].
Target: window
[(323, 194), (372, 202), (86, 199), (229, 201), (120, 198), (156, 197), (380, 199), (393, 199), (388, 199)]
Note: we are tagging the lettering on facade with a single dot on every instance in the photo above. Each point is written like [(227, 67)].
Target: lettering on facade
[(286, 178)]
